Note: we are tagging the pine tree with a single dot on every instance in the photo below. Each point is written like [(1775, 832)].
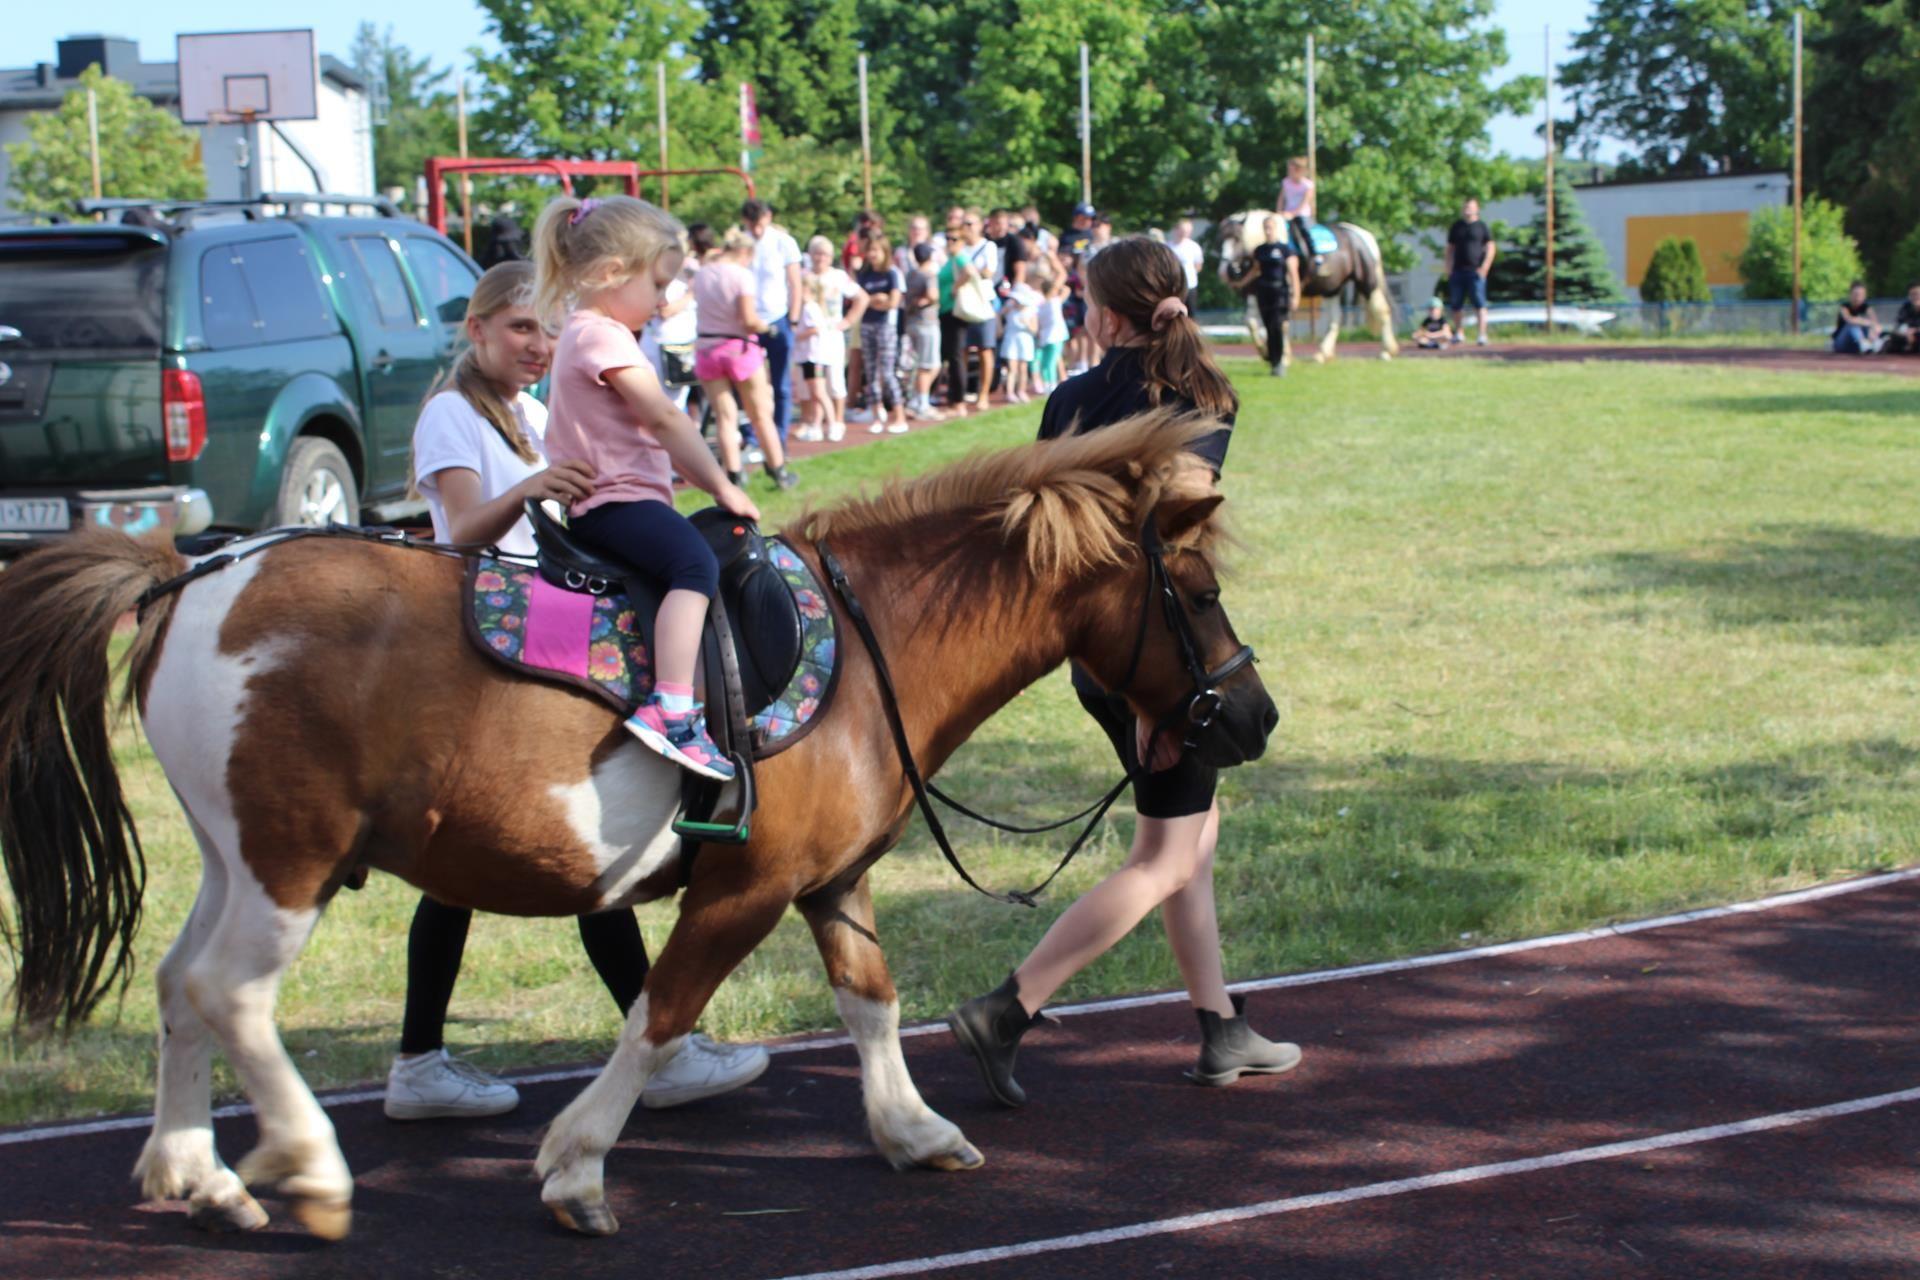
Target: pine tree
[(1580, 270), (1676, 273)]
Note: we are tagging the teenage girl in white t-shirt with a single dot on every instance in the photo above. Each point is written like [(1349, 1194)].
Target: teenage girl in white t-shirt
[(478, 458)]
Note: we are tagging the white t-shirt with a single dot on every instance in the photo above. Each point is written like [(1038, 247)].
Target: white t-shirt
[(983, 257), (451, 433), (679, 329), (1053, 322), (829, 345), (772, 254), (1191, 255)]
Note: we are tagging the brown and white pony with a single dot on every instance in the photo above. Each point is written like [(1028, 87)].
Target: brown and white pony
[(1356, 261), (319, 713)]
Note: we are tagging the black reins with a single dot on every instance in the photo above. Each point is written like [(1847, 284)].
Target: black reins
[(1197, 711)]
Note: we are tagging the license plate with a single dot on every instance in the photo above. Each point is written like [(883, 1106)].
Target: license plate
[(33, 515)]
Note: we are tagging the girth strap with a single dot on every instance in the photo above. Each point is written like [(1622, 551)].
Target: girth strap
[(890, 700)]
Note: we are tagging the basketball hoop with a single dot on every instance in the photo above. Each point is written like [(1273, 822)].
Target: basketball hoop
[(248, 77)]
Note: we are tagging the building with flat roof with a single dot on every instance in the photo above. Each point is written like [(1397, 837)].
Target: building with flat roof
[(1631, 218), (333, 152)]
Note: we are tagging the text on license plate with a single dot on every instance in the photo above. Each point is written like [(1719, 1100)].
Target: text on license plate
[(34, 515)]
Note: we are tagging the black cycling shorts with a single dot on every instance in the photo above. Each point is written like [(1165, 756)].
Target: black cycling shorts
[(1181, 791)]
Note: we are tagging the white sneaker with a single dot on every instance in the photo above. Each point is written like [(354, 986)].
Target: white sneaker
[(924, 412), (1481, 341), (703, 1069), (437, 1085), (896, 428), (754, 455), (859, 415), (876, 428), (810, 435), (837, 432)]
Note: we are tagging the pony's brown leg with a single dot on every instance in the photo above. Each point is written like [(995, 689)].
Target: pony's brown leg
[(724, 915), (907, 1131)]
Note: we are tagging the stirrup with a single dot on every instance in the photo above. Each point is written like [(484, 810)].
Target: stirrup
[(725, 832)]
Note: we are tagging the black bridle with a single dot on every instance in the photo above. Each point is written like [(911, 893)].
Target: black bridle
[(1193, 714)]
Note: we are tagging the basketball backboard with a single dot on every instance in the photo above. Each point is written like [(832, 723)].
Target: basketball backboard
[(232, 76)]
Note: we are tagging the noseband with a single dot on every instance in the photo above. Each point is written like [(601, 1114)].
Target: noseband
[(1190, 716)]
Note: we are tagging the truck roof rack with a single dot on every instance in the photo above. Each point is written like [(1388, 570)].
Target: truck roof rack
[(249, 208)]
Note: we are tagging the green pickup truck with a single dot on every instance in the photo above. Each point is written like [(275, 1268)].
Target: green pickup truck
[(218, 365)]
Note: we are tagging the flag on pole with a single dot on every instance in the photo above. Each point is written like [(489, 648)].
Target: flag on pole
[(749, 127)]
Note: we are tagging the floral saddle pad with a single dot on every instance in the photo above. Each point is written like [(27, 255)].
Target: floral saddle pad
[(599, 643)]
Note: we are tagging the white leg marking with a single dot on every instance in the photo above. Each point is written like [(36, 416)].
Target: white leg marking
[(572, 1160), (623, 816), (195, 706), (907, 1131)]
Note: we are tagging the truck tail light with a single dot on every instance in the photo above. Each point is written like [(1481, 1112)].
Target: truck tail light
[(183, 407)]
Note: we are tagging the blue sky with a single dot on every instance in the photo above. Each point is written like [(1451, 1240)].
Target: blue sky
[(444, 29)]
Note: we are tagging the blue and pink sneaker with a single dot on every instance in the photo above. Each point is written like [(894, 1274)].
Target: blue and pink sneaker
[(681, 737)]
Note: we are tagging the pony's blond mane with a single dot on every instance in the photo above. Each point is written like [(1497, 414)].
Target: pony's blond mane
[(1077, 501)]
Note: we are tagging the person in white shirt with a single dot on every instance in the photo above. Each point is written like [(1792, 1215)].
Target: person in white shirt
[(820, 340), (478, 459), (1191, 256), (776, 276), (668, 339)]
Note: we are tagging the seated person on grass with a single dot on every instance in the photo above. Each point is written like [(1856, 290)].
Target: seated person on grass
[(1434, 331), (1856, 330), (1905, 338)]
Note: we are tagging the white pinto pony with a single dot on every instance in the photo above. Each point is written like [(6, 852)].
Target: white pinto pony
[(1355, 260)]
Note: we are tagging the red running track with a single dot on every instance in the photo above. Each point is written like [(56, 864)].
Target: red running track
[(1475, 1066)]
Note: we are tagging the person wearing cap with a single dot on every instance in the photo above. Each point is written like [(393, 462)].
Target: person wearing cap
[(1076, 238), (1101, 238)]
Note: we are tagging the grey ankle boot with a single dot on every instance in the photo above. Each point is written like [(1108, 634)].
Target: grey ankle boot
[(1229, 1049), (989, 1027)]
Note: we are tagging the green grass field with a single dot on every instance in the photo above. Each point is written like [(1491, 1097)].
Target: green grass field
[(1554, 645)]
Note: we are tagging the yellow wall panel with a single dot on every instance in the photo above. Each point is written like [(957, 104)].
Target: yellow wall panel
[(1721, 237)]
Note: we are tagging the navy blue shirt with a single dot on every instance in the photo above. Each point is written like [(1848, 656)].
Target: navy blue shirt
[(1116, 389)]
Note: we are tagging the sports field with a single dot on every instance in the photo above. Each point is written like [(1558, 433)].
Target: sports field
[(1553, 644)]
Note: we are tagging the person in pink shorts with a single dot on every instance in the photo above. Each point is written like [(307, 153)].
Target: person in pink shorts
[(728, 358)]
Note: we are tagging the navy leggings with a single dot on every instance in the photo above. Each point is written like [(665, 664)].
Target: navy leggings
[(657, 539)]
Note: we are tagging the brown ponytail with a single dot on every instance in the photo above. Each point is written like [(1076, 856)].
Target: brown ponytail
[(1133, 277)]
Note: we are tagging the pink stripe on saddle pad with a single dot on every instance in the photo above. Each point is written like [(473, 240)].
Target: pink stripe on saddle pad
[(558, 624)]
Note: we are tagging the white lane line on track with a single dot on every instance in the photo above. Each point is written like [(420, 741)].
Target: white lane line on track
[(830, 1040), (1370, 1191)]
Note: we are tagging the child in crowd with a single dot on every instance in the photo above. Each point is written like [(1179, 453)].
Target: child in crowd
[(879, 333), (1074, 309), (821, 340), (611, 259), (1434, 331), (1020, 316), (920, 331), (669, 336), (1052, 335)]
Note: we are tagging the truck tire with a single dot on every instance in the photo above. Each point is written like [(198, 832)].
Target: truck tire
[(316, 487)]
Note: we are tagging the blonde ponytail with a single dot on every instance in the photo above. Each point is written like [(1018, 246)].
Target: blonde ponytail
[(580, 245)]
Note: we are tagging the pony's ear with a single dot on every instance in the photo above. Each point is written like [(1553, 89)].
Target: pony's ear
[(1178, 516)]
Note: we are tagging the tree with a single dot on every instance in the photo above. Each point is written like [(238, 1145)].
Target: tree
[(420, 108), (1903, 269), (1580, 269), (144, 151), (1829, 259), (1675, 273), (1863, 113), (1694, 84)]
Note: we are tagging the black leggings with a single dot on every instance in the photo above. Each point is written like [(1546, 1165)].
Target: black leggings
[(953, 350), (654, 535), (1275, 311), (439, 938)]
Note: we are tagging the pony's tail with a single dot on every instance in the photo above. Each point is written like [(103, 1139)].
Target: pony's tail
[(73, 859)]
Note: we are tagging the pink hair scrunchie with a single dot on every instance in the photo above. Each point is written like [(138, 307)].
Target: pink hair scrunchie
[(1163, 315), (587, 206)]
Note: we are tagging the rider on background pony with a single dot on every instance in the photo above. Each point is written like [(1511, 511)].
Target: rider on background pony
[(1297, 205)]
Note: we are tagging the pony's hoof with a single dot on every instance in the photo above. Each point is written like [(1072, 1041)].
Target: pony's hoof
[(589, 1218), (324, 1219), (966, 1156), (1320, 357), (224, 1217), (1386, 355)]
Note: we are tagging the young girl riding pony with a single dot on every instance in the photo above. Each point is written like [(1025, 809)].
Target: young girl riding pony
[(610, 260)]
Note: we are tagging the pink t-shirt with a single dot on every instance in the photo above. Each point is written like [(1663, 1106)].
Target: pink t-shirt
[(589, 422), (717, 291), (1293, 194)]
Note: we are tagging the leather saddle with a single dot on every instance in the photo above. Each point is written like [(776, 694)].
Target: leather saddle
[(751, 648), (762, 619)]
